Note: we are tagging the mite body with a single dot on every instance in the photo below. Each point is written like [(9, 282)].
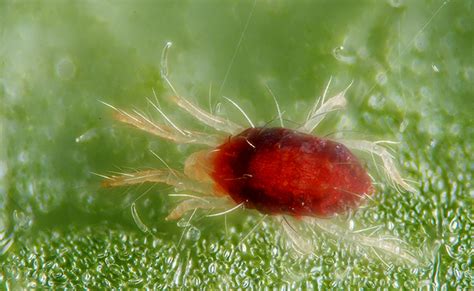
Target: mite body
[(283, 171)]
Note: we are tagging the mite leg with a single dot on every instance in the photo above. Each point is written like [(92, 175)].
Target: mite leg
[(386, 244), (388, 160), (294, 235), (201, 203), (172, 133), (280, 116), (169, 177), (200, 114), (216, 122), (187, 205), (317, 113)]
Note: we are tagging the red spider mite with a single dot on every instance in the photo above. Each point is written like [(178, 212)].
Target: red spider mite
[(278, 171)]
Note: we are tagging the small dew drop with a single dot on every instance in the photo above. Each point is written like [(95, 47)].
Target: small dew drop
[(182, 148), (391, 225), (183, 222), (425, 92), (351, 225), (21, 220), (228, 255), (23, 157), (381, 78), (329, 261), (86, 136), (396, 3), (213, 247), (375, 216), (454, 225), (455, 129), (65, 69), (5, 242), (344, 55), (463, 24), (3, 169), (468, 74), (109, 260), (43, 279), (124, 256), (245, 283), (363, 53), (421, 43), (404, 125), (376, 101), (14, 90), (453, 239), (218, 109), (193, 234), (58, 277), (135, 282), (212, 268), (417, 66)]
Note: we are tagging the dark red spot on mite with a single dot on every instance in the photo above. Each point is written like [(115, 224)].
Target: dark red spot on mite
[(283, 171)]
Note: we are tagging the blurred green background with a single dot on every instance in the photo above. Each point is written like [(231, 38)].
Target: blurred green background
[(413, 72)]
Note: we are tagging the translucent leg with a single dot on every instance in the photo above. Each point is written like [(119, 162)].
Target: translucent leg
[(388, 245), (187, 205), (172, 133), (205, 117), (200, 203), (317, 113), (299, 243), (169, 177), (200, 114), (388, 160)]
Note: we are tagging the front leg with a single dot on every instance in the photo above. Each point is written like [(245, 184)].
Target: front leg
[(169, 177)]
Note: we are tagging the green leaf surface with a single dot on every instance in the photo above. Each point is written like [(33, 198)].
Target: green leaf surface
[(413, 72)]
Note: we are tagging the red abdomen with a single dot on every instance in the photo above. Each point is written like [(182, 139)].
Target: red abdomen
[(282, 171)]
